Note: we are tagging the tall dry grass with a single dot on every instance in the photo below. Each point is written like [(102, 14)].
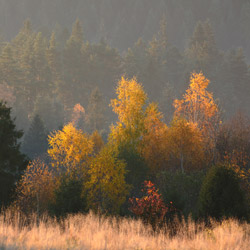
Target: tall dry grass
[(94, 232)]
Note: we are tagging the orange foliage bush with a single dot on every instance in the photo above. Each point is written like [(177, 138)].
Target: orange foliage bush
[(151, 207)]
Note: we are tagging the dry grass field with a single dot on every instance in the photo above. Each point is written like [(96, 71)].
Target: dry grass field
[(91, 232)]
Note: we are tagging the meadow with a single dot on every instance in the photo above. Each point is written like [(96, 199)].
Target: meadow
[(92, 232)]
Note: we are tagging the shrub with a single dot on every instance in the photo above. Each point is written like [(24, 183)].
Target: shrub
[(35, 189), (151, 207), (220, 194), (182, 189), (69, 197)]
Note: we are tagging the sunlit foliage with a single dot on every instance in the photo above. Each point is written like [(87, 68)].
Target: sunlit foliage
[(151, 207), (199, 108), (185, 144), (106, 188), (35, 189), (154, 142), (70, 149), (198, 105), (97, 141), (128, 105)]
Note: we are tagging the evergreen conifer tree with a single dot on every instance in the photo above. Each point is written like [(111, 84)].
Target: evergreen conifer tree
[(35, 141), (95, 115), (73, 68), (12, 162)]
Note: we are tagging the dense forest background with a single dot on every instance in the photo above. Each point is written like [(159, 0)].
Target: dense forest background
[(123, 22), (52, 64)]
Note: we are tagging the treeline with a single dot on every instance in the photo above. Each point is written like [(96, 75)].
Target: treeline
[(123, 22), (199, 163), (49, 76)]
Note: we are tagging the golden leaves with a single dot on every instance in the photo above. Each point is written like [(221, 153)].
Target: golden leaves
[(197, 105), (185, 143), (128, 105), (69, 148), (106, 186), (36, 186), (153, 145)]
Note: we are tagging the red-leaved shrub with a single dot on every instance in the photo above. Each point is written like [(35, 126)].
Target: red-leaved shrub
[(151, 207)]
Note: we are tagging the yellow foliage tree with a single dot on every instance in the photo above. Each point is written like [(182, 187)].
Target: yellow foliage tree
[(153, 145), (70, 149), (106, 188), (35, 189), (97, 141), (129, 104), (185, 144), (139, 128), (197, 105)]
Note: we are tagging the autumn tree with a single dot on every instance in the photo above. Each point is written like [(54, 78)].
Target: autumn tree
[(127, 134), (35, 189), (97, 141), (140, 131), (151, 207), (154, 142), (129, 104), (198, 107), (106, 188), (185, 144), (69, 149), (233, 147), (234, 135)]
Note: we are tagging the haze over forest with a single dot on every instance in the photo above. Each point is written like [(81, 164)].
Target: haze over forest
[(98, 98), (160, 42), (123, 22)]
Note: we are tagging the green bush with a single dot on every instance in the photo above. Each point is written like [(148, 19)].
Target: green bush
[(182, 189), (136, 167), (221, 195), (69, 197)]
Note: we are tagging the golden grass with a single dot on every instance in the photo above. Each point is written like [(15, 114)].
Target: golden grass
[(93, 232)]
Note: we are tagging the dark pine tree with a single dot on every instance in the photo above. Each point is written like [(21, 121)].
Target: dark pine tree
[(95, 111), (12, 161), (35, 141)]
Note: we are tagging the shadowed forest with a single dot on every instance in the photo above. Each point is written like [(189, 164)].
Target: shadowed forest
[(127, 109)]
